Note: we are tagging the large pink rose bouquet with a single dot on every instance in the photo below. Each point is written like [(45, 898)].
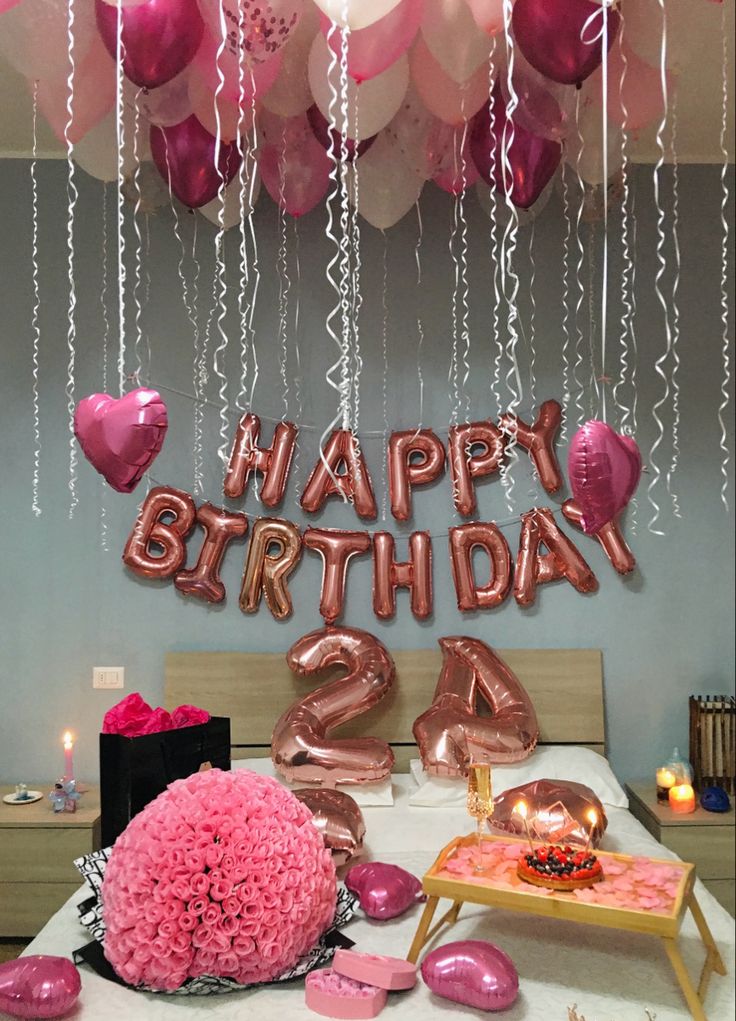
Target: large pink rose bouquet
[(224, 874)]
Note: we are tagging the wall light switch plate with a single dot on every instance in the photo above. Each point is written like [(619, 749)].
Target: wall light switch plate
[(108, 677)]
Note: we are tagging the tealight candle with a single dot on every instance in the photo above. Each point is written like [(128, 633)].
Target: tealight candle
[(666, 780), (68, 756), (682, 799)]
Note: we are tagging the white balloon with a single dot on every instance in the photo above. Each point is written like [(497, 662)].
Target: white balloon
[(453, 38), (410, 129), (584, 145), (387, 187), (97, 152), (290, 94), (34, 37), (168, 104), (370, 105), (231, 210), (356, 14)]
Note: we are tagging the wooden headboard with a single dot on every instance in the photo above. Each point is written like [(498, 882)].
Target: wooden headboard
[(253, 689)]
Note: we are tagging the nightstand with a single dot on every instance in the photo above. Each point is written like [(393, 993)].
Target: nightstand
[(37, 848), (704, 838)]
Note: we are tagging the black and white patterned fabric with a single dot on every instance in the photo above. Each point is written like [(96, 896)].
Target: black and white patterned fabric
[(92, 869)]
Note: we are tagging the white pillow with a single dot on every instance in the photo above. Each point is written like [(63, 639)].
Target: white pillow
[(548, 762), (365, 794)]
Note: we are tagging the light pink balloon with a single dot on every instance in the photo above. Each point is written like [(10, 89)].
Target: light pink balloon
[(38, 986), (356, 14), (543, 107), (94, 94), (121, 437), (169, 104), (294, 167), (584, 145), (639, 101), (410, 129), (290, 93), (371, 50), (5, 5), (442, 95), (234, 118), (454, 39), (604, 469), (488, 15), (255, 78), (33, 36), (449, 157), (265, 25), (230, 212)]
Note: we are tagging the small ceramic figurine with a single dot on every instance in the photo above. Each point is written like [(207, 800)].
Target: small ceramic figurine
[(64, 796)]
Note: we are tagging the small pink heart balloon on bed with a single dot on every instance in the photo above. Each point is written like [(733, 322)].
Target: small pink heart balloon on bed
[(604, 469), (38, 986), (473, 972), (121, 436), (385, 891)]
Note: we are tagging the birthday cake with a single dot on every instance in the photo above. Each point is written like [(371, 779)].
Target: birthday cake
[(559, 868)]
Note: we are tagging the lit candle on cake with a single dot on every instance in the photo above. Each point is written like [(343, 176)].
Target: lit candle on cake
[(521, 809), (592, 817), (682, 799), (666, 780), (68, 756)]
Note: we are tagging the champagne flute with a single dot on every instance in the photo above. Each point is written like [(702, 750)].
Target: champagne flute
[(480, 802)]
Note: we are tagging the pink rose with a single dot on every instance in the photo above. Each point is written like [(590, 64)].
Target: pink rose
[(200, 884), (187, 922), (211, 915), (231, 906), (202, 936), (221, 889), (197, 905)]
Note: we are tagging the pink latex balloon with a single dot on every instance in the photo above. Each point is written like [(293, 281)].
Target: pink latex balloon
[(121, 437), (488, 15), (371, 50), (384, 891), (447, 99), (94, 94), (234, 118), (184, 154), (5, 5), (159, 38), (449, 157), (533, 160), (321, 128), (34, 39), (253, 78), (563, 38), (290, 94), (604, 470), (38, 986), (542, 106), (294, 166), (634, 89), (258, 27), (168, 104), (473, 972)]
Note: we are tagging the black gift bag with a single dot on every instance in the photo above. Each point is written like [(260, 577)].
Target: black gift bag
[(135, 770)]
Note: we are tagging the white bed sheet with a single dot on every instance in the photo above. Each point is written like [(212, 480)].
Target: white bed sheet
[(610, 976)]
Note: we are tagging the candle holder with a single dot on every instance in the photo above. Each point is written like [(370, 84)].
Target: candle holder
[(675, 772), (682, 799)]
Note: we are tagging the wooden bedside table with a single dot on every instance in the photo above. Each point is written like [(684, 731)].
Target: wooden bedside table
[(704, 838), (37, 848)]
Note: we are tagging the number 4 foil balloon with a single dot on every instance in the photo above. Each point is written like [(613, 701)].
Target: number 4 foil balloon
[(121, 437)]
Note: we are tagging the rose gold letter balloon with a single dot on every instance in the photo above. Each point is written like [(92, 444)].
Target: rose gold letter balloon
[(338, 818), (301, 747), (563, 560), (404, 472), (337, 548), (466, 465), (539, 441), (220, 528), (414, 574), (354, 485), (266, 569), (272, 462), (161, 501), (450, 734), (486, 536), (609, 536)]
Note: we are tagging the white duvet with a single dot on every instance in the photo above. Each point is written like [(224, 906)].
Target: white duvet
[(607, 975)]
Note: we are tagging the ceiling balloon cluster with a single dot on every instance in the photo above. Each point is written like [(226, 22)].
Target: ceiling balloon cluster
[(458, 92)]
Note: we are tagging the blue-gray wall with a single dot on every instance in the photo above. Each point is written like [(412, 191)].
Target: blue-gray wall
[(66, 605)]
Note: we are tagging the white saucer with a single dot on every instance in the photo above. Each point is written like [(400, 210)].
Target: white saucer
[(12, 799)]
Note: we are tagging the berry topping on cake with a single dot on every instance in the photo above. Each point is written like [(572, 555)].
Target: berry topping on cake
[(559, 868)]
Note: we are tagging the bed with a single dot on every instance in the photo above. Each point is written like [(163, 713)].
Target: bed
[(603, 975)]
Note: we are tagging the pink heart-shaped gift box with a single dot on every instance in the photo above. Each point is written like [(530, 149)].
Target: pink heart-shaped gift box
[(121, 436)]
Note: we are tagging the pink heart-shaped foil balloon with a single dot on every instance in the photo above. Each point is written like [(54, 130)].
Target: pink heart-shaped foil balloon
[(384, 891), (473, 972), (38, 986), (121, 436), (604, 470)]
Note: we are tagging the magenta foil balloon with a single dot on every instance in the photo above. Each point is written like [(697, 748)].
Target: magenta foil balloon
[(533, 160), (473, 972), (160, 37), (185, 155), (604, 470), (384, 891), (121, 437), (563, 39), (38, 986)]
